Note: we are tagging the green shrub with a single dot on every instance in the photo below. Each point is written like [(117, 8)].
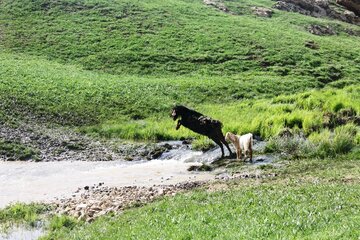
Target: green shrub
[(344, 139), (293, 146), (325, 143)]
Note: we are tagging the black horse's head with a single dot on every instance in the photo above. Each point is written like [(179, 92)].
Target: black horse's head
[(177, 111), (182, 111)]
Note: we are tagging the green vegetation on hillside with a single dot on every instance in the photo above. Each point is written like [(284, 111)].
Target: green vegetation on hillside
[(69, 95), (175, 37), (115, 68)]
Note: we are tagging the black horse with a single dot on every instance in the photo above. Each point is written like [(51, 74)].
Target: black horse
[(201, 124)]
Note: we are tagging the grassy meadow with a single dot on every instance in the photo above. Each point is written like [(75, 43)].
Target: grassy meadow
[(114, 69), (302, 211)]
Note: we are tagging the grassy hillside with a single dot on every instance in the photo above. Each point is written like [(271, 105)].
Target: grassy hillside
[(115, 68), (175, 37), (48, 88)]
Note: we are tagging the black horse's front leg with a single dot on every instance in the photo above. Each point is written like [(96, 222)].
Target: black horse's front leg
[(178, 124), (218, 142)]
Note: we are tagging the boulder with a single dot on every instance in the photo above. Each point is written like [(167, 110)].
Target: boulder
[(217, 4), (321, 30), (262, 12), (352, 5), (305, 7), (321, 8)]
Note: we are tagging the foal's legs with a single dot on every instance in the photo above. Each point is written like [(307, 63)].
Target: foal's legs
[(238, 154), (250, 150)]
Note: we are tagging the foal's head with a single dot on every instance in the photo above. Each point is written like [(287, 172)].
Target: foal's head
[(230, 137)]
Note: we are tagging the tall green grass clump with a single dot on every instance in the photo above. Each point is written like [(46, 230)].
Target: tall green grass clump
[(63, 221), (331, 143), (308, 112), (326, 143), (22, 213), (60, 225)]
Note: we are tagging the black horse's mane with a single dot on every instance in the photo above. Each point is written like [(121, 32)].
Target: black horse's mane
[(187, 111)]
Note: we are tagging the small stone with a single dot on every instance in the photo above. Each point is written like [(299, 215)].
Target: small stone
[(81, 206)]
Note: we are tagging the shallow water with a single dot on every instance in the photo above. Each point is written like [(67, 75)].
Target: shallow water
[(43, 181), (22, 233), (31, 181)]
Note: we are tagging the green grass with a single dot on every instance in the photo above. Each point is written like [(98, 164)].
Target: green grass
[(115, 68), (71, 95), (181, 37), (20, 213), (341, 168), (16, 151), (111, 106), (264, 212), (306, 112)]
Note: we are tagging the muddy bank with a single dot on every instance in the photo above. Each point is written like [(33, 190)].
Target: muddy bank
[(56, 143)]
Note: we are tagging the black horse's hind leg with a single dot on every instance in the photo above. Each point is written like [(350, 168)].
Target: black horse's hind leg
[(218, 142)]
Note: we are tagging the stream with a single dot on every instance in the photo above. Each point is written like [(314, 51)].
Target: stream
[(45, 181)]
